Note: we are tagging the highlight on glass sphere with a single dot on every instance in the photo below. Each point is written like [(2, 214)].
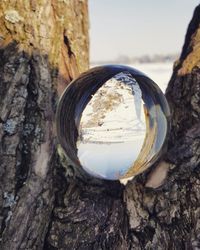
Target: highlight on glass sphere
[(113, 121)]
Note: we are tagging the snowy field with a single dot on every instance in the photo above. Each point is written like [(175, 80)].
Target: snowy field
[(160, 73), (112, 127)]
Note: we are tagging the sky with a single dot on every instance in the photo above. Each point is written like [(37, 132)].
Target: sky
[(137, 27)]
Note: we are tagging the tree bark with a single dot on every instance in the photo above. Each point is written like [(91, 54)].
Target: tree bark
[(48, 205), (43, 46)]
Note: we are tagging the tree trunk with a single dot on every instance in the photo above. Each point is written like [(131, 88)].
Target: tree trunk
[(44, 205), (43, 46)]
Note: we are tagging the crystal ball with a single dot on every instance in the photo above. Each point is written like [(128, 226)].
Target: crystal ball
[(113, 122)]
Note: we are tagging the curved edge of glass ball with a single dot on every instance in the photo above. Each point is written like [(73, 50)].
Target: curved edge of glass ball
[(80, 91)]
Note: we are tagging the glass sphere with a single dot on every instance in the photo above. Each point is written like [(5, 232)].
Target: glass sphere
[(113, 122)]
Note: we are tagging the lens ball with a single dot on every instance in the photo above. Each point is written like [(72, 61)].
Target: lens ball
[(113, 122)]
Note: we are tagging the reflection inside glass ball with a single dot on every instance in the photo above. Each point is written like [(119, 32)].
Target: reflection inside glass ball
[(113, 121), (112, 128)]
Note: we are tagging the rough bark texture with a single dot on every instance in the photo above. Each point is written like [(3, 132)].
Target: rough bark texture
[(44, 205), (43, 45)]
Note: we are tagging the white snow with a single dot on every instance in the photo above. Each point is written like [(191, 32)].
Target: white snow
[(112, 128), (160, 73)]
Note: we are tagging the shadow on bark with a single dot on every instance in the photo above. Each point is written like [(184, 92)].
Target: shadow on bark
[(37, 193)]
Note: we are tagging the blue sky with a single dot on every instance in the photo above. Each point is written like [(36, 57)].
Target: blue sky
[(137, 27)]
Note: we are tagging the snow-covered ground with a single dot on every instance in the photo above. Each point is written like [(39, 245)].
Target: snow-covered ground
[(160, 73), (112, 127)]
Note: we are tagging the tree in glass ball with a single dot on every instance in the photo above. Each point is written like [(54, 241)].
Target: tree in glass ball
[(113, 122)]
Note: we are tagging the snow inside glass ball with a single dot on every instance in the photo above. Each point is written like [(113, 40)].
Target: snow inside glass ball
[(113, 122)]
